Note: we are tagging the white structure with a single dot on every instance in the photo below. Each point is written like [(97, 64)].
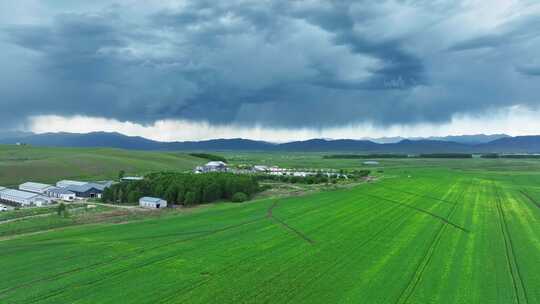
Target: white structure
[(213, 166), (66, 183), (132, 178), (35, 187), (24, 198), (259, 168), (371, 162), (60, 193), (152, 202)]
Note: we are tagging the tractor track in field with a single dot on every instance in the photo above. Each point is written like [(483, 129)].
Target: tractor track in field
[(418, 195), (298, 233), (532, 200), (513, 266), (438, 217), (425, 261), (135, 253)]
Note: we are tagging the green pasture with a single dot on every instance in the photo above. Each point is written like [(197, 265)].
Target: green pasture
[(428, 231), (23, 163)]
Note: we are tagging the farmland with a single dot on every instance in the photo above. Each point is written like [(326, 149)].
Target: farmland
[(427, 231)]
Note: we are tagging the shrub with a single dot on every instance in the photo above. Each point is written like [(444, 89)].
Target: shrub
[(239, 197)]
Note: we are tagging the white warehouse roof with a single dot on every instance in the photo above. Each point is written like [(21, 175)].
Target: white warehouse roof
[(216, 164), (35, 185), (19, 194), (65, 182), (150, 199)]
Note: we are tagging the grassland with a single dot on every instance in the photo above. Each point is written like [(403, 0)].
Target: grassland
[(428, 231), (22, 163)]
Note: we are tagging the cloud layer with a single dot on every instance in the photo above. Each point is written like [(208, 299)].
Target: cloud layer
[(269, 64)]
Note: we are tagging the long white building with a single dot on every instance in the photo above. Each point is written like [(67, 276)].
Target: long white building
[(24, 198), (66, 183), (35, 187)]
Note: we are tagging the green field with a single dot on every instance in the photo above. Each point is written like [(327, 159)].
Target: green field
[(427, 231), (19, 164)]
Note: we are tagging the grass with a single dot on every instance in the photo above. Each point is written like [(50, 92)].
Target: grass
[(22, 163), (429, 231)]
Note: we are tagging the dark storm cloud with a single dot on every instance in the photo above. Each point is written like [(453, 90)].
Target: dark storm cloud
[(276, 63), (529, 70)]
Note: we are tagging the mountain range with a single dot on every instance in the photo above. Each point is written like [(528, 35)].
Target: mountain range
[(465, 144)]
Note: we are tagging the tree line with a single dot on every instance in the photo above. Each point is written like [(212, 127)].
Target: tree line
[(184, 188), (211, 157), (364, 156), (318, 178)]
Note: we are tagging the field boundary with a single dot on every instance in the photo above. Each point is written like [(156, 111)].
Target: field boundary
[(270, 215)]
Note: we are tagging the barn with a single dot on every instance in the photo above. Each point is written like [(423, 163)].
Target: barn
[(24, 198), (152, 202), (87, 190), (35, 187)]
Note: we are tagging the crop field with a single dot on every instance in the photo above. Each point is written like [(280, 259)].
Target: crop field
[(22, 163), (427, 231)]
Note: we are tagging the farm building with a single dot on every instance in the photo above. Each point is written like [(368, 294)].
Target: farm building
[(84, 189), (60, 193), (87, 190), (65, 183), (34, 187), (152, 202), (213, 166), (24, 198)]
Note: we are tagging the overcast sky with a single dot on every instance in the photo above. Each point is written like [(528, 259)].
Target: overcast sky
[(274, 70)]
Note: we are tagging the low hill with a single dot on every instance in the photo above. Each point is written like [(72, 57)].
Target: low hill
[(23, 163)]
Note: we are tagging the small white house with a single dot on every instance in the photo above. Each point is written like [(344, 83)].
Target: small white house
[(35, 187), (152, 202)]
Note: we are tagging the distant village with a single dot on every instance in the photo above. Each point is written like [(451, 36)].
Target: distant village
[(33, 194), (220, 166)]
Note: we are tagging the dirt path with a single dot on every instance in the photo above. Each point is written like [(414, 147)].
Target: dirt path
[(34, 216)]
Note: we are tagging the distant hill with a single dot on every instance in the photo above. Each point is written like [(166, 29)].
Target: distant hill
[(471, 139), (518, 144), (462, 139), (465, 144)]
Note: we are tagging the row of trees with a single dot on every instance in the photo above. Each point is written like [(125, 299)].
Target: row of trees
[(364, 156), (518, 156), (184, 188), (318, 178)]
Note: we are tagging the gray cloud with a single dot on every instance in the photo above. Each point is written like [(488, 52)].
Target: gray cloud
[(277, 63)]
